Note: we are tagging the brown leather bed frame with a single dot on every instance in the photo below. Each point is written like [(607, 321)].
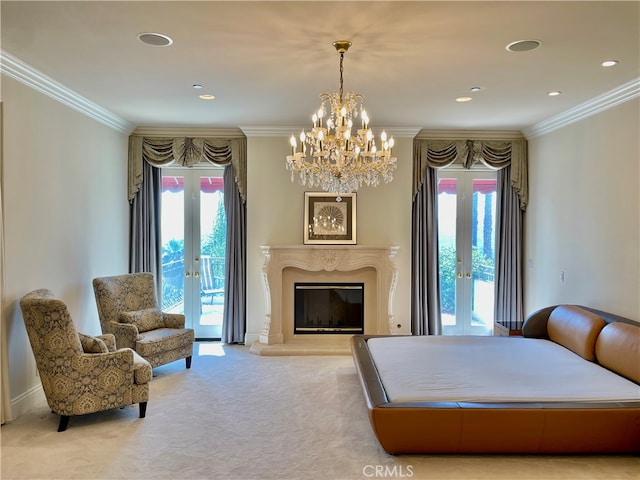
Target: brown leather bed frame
[(539, 427)]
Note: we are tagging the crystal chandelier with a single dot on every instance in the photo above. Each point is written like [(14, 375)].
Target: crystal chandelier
[(334, 156)]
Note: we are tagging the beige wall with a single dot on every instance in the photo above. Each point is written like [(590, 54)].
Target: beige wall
[(584, 214), (65, 212), (275, 215)]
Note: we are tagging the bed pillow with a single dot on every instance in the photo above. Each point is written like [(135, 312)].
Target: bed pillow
[(576, 329), (145, 320), (618, 349)]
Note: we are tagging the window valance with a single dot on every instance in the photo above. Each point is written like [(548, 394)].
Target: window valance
[(186, 151), (494, 154)]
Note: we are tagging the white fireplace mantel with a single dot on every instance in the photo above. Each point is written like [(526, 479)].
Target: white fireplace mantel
[(325, 258)]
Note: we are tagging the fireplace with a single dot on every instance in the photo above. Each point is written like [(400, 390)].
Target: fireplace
[(286, 265), (328, 308)]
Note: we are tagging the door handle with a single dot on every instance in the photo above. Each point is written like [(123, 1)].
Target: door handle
[(468, 275), (186, 274), (196, 274), (459, 275)]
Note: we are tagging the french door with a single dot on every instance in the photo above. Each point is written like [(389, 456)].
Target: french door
[(466, 248), (193, 230)]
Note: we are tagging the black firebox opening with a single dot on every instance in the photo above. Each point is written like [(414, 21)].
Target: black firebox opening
[(329, 308)]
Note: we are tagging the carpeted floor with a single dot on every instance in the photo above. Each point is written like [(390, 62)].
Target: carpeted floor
[(238, 416)]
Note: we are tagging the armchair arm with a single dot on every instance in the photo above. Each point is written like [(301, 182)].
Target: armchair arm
[(535, 325), (98, 362), (93, 375), (173, 320), (126, 334)]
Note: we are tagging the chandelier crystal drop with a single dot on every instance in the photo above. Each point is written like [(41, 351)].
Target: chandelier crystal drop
[(340, 154)]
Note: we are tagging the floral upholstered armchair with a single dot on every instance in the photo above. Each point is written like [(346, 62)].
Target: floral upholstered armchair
[(128, 308), (81, 374)]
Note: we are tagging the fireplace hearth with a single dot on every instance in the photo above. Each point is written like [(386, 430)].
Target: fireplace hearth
[(328, 308)]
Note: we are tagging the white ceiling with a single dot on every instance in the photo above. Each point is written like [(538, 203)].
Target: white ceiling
[(267, 62)]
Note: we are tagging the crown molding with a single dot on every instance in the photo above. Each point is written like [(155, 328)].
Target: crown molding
[(207, 132), (286, 131), (27, 75), (469, 135), (23, 73), (598, 104)]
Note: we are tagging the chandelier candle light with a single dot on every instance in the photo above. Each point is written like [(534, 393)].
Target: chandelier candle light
[(339, 160)]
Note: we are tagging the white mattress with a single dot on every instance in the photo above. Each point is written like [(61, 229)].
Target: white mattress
[(491, 369)]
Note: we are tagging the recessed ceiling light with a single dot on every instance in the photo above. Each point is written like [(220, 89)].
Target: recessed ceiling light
[(463, 99), (475, 89), (207, 97), (523, 45), (155, 39), (554, 93), (197, 85), (609, 63)]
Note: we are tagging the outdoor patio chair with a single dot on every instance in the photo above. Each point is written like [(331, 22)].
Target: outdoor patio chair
[(210, 284), (128, 308)]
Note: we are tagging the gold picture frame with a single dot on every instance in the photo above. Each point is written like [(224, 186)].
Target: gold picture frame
[(329, 218)]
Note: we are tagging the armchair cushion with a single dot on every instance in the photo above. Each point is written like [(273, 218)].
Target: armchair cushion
[(173, 320), (92, 344), (145, 320), (109, 340), (154, 343)]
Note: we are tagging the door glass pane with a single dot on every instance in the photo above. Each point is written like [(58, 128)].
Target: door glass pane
[(466, 230), (483, 223), (172, 240), (447, 208), (193, 230), (213, 228)]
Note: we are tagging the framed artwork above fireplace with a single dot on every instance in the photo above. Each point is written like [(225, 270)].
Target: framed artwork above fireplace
[(329, 218)]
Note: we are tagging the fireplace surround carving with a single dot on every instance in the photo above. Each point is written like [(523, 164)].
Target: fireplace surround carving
[(374, 263)]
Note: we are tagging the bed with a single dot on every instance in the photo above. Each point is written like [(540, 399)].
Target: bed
[(570, 384)]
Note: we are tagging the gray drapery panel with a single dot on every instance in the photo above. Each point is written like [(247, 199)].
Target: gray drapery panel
[(187, 152), (430, 155), (235, 265), (425, 285), (144, 225), (508, 287)]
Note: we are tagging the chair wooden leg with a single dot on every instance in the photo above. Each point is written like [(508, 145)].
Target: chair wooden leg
[(188, 360), (64, 421), (143, 409)]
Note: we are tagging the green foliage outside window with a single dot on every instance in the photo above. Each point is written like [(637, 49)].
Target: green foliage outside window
[(214, 244), (483, 269), (172, 273)]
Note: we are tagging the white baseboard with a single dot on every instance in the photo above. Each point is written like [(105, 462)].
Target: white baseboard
[(34, 397), (249, 338)]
